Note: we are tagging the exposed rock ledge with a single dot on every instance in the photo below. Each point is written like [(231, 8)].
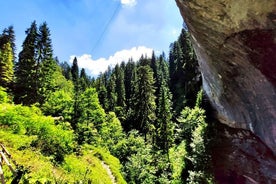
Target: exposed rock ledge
[(235, 41)]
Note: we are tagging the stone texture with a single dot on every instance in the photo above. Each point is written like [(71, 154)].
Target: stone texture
[(241, 157), (235, 42)]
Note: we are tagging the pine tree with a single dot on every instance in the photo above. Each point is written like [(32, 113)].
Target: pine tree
[(26, 70), (9, 35), (100, 85), (66, 70), (144, 105), (75, 71), (185, 80), (130, 66), (6, 66), (77, 93), (111, 94), (84, 80), (120, 86), (47, 65), (164, 124)]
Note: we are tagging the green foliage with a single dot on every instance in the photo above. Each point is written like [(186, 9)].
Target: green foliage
[(134, 94), (111, 132), (84, 169), (194, 132), (75, 71), (91, 117), (144, 105), (147, 166), (185, 78), (6, 64), (199, 157), (188, 120), (139, 168), (199, 98), (128, 146), (26, 70), (59, 104), (112, 162), (177, 156), (52, 140), (3, 96)]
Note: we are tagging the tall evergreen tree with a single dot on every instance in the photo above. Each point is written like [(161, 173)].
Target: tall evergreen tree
[(120, 86), (46, 63), (144, 105), (84, 80), (6, 66), (130, 66), (185, 78), (26, 69), (66, 70), (111, 93), (9, 34), (75, 71), (164, 124), (77, 93), (100, 85)]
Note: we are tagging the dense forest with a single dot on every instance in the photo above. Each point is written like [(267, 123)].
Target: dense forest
[(142, 119)]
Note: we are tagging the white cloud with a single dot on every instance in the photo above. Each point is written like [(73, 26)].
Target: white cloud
[(128, 2), (95, 67)]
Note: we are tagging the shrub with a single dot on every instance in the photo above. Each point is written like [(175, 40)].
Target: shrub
[(53, 140), (3, 95)]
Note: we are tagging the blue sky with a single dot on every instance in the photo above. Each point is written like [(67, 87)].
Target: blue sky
[(97, 32)]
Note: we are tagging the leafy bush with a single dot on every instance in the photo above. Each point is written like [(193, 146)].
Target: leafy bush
[(84, 169), (3, 95), (194, 132), (91, 118), (52, 139), (59, 103), (188, 121), (177, 158), (111, 132)]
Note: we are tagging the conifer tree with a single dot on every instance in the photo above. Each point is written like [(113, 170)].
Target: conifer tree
[(75, 71), (77, 93), (84, 80), (100, 85), (66, 70), (185, 80), (130, 66), (9, 35), (6, 66), (26, 70), (111, 93), (120, 86), (164, 124), (144, 105), (46, 63)]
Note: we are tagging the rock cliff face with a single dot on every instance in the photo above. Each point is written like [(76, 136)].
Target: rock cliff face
[(235, 42)]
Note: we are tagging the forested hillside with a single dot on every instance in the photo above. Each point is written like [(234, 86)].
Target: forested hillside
[(141, 119)]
